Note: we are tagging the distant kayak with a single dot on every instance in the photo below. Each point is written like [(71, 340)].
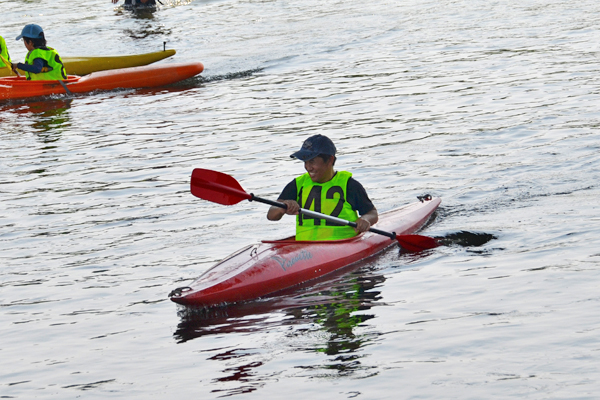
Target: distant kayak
[(126, 78), (86, 65)]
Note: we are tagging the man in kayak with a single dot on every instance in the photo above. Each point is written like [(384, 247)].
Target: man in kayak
[(326, 191), (4, 54), (42, 62)]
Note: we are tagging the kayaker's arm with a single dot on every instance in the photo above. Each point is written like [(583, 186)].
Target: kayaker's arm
[(367, 220), (287, 196), (276, 213), (36, 68)]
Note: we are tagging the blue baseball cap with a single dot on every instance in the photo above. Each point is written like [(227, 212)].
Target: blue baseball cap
[(31, 31), (313, 146)]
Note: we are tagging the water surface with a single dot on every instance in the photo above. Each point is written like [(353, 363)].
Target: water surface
[(491, 106)]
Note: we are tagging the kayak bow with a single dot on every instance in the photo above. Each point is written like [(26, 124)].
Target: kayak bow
[(86, 65)]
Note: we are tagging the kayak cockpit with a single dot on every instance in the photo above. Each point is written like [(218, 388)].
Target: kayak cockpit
[(292, 240)]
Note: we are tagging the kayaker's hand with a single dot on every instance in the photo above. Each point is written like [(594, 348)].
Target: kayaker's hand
[(292, 207), (362, 225), (13, 66), (115, 1)]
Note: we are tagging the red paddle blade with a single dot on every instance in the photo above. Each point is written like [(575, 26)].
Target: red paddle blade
[(415, 243), (217, 187)]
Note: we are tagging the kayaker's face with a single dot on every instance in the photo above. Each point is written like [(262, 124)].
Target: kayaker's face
[(319, 170), (28, 44)]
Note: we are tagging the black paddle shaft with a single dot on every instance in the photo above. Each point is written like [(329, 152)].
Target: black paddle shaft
[(312, 214)]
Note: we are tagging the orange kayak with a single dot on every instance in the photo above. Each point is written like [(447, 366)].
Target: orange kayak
[(148, 76)]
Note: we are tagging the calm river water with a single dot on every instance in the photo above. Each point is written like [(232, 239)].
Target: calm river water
[(491, 105)]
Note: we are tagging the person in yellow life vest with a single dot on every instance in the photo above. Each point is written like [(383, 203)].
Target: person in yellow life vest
[(42, 62), (326, 191), (4, 53)]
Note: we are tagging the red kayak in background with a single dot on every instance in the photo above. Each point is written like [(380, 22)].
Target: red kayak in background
[(126, 78), (269, 267)]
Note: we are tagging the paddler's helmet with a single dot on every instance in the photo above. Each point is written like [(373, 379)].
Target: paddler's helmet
[(314, 146), (32, 31)]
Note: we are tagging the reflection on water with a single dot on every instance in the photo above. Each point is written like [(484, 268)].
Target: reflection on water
[(148, 24), (242, 374), (334, 308), (50, 122), (330, 307), (49, 106), (48, 118)]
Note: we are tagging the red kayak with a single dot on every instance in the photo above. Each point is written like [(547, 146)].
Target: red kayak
[(148, 76), (271, 266)]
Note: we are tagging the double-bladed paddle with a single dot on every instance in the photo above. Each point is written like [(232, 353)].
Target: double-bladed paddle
[(224, 189)]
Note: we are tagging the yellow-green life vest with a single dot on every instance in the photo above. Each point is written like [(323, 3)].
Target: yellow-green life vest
[(4, 52), (53, 69), (325, 198)]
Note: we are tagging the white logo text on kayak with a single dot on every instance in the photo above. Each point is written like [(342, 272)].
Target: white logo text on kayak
[(289, 263)]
